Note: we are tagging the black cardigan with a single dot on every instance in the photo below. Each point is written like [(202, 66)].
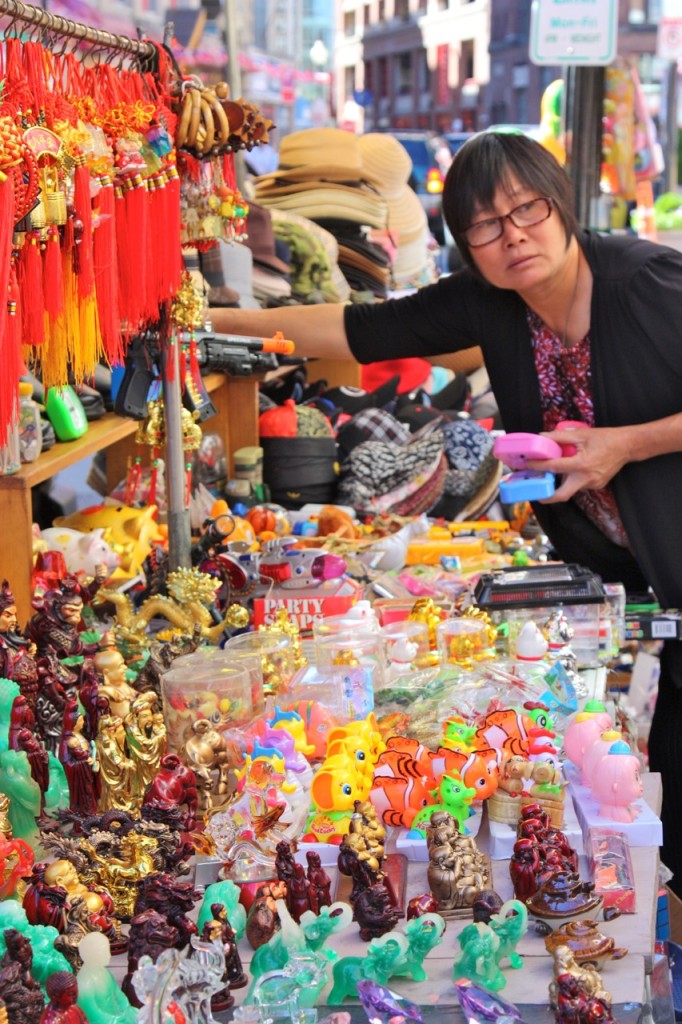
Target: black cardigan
[(636, 349)]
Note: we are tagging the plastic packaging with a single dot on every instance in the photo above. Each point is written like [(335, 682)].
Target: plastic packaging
[(30, 431), (10, 457)]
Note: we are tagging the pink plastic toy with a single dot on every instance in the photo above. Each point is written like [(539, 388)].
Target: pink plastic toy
[(584, 730), (618, 783), (594, 754)]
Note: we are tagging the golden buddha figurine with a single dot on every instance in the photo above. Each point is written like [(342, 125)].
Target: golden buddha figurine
[(146, 736), (110, 663), (116, 769)]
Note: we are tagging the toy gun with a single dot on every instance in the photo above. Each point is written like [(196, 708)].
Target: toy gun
[(142, 368), (240, 356)]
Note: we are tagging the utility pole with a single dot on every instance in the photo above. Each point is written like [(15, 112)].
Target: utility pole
[(584, 97), (234, 72)]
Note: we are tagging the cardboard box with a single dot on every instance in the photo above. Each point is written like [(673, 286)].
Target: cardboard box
[(307, 604)]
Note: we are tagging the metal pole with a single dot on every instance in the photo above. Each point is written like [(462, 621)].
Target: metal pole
[(234, 73), (670, 130), (57, 25), (584, 101), (179, 528)]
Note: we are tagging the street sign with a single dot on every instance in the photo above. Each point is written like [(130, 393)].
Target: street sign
[(669, 40), (581, 32)]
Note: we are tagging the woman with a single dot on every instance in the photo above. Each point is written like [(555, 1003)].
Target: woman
[(572, 326)]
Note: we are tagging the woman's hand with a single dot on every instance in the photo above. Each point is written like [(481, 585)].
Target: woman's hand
[(600, 453)]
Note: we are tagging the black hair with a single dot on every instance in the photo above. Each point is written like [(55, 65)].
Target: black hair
[(488, 161)]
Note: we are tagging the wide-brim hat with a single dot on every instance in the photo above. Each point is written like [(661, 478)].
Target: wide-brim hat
[(269, 284), (237, 263), (325, 149), (260, 238), (385, 163), (333, 203), (406, 216), (284, 220)]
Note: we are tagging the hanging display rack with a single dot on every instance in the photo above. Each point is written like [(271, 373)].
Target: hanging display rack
[(81, 34)]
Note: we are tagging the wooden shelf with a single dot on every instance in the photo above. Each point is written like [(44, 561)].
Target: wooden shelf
[(236, 420)]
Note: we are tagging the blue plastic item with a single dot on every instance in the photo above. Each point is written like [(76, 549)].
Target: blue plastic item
[(526, 485)]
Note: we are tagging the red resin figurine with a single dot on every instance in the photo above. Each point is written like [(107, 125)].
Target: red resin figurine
[(319, 883), (62, 991), (523, 868), (17, 660), (23, 735), (174, 785), (20, 991), (75, 755)]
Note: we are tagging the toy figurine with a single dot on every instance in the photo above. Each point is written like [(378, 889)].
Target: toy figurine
[(477, 958), (206, 753), (452, 797), (524, 866), (116, 769), (218, 930), (505, 803), (110, 664), (563, 898), (576, 1006), (62, 991), (17, 661), (617, 783), (173, 899), (583, 731), (56, 627), (317, 928), (150, 934), (263, 919), (319, 883), (53, 887), (298, 900), (56, 686), (374, 912), (227, 893), (594, 754), (174, 785), (20, 991), (23, 735), (587, 976), (79, 765), (23, 794), (486, 903), (510, 924), (16, 856), (146, 737), (284, 866), (77, 923), (99, 996), (457, 870), (547, 788)]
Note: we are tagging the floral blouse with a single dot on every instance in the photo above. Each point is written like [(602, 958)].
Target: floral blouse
[(565, 378)]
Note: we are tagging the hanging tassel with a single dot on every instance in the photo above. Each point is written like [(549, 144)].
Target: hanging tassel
[(53, 285), (133, 480), (9, 378), (106, 274), (136, 252), (153, 477), (62, 347), (30, 274), (172, 262), (125, 296), (82, 205)]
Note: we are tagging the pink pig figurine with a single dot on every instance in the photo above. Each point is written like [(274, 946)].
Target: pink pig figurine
[(617, 783)]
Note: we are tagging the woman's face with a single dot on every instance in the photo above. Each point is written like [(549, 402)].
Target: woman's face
[(521, 259)]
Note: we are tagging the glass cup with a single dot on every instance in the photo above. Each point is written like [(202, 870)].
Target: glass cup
[(276, 653)]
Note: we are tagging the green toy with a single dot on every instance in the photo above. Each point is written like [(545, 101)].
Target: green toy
[(46, 959), (99, 997), (23, 793), (453, 797), (227, 893), (317, 928), (477, 960), (510, 924), (297, 985), (395, 954), (274, 954)]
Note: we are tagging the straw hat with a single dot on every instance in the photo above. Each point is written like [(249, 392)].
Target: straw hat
[(385, 163), (412, 258), (406, 215), (333, 203), (317, 153)]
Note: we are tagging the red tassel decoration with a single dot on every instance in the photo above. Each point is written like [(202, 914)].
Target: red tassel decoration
[(82, 204), (10, 333), (136, 249), (105, 262), (53, 285), (125, 296), (30, 274), (172, 263)]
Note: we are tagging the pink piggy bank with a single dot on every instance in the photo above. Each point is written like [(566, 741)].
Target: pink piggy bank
[(618, 783), (81, 551), (594, 754), (583, 731)]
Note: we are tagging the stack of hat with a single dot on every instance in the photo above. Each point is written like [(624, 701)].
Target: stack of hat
[(320, 176), (270, 277), (387, 166), (313, 254)]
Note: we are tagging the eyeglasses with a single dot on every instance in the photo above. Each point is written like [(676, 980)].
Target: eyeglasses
[(524, 216)]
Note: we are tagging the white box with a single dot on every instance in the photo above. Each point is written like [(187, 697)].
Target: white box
[(503, 835), (645, 830)]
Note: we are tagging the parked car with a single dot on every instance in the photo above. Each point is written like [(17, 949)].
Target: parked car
[(456, 140), (431, 156)]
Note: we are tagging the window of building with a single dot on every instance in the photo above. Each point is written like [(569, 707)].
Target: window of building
[(521, 104), (349, 23), (423, 72), (402, 9), (381, 10), (403, 74), (366, 16), (422, 5), (467, 59), (383, 76), (349, 82), (369, 76)]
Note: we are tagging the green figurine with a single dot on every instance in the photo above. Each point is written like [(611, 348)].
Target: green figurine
[(23, 793), (395, 954), (477, 959), (46, 959), (317, 928), (510, 924), (227, 893), (453, 797), (274, 954), (99, 996)]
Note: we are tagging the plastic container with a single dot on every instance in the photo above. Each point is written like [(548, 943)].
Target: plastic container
[(276, 653), (217, 691), (462, 641), (10, 453), (30, 431)]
